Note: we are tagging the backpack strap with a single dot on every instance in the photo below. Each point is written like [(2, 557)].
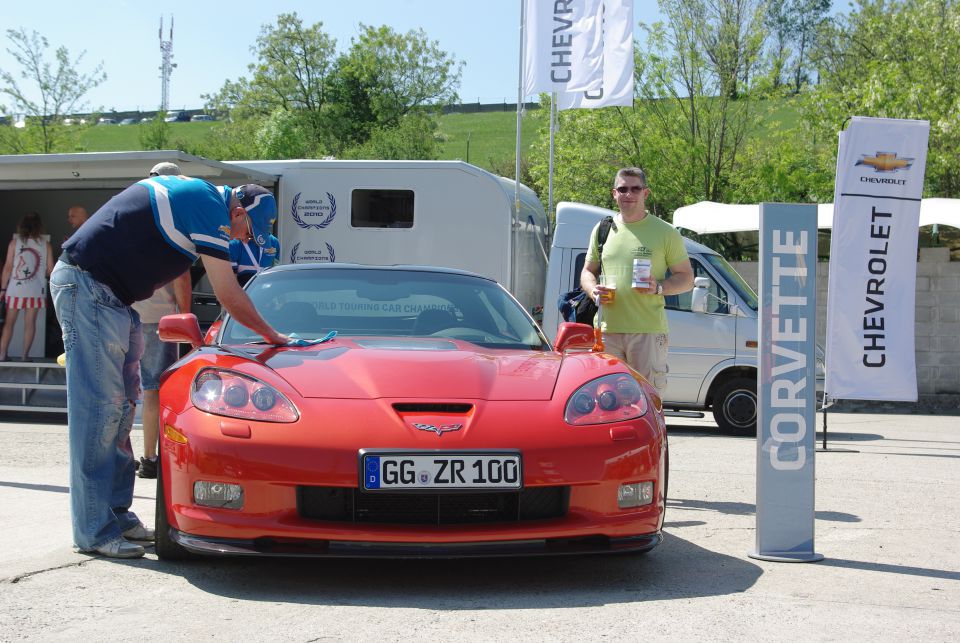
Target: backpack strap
[(602, 233)]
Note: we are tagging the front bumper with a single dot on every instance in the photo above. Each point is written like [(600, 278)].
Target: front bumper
[(356, 549)]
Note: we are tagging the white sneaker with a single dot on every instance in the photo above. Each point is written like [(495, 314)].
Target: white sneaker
[(117, 548), (140, 533)]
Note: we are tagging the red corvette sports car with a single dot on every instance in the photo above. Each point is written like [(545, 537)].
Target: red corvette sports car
[(437, 422)]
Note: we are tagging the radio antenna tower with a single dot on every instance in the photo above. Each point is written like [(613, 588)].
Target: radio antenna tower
[(166, 67)]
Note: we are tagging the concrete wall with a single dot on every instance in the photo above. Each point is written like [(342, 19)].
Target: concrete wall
[(937, 318)]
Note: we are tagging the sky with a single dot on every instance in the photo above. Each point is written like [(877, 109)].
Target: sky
[(212, 41)]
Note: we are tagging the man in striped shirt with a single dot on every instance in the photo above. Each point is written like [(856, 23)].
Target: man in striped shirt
[(138, 241)]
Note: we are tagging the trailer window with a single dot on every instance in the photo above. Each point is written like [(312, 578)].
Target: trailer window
[(381, 209)]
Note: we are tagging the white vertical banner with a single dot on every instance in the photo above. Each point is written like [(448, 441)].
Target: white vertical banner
[(563, 46), (617, 88), (873, 260)]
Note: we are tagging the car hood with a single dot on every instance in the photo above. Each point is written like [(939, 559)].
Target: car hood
[(415, 368)]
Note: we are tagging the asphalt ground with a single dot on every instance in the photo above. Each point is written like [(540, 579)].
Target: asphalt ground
[(887, 523)]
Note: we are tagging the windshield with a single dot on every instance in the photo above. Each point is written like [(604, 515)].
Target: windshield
[(742, 287), (387, 303)]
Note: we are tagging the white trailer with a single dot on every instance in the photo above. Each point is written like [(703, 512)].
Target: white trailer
[(438, 213)]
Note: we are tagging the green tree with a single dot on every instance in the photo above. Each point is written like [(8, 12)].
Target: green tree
[(380, 81), (894, 59), (155, 135), (286, 88), (309, 102), (414, 137), (794, 26), (50, 91), (401, 72), (692, 113)]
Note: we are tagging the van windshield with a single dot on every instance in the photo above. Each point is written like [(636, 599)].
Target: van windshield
[(742, 287)]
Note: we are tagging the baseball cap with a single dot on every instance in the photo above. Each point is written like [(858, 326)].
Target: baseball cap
[(165, 168), (261, 207)]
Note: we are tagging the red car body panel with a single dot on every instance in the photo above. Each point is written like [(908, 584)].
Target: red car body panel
[(345, 392)]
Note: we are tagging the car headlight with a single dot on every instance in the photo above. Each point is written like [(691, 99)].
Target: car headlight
[(611, 398), (223, 392)]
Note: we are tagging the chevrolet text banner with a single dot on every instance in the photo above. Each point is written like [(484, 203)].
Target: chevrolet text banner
[(873, 260), (563, 46), (617, 88), (786, 390)]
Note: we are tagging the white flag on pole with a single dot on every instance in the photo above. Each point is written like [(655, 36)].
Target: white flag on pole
[(617, 88), (873, 260), (563, 46)]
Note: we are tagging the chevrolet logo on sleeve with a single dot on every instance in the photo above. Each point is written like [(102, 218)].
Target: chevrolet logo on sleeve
[(438, 429), (885, 162)]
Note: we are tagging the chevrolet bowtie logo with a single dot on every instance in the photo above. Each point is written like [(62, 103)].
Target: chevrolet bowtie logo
[(885, 162), (439, 430)]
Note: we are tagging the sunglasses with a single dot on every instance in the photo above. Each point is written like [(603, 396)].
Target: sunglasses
[(636, 189)]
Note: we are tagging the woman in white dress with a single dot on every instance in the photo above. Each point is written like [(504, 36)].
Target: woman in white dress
[(24, 282)]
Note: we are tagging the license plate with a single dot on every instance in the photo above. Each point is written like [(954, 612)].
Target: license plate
[(444, 470)]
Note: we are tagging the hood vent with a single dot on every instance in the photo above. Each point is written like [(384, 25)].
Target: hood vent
[(417, 407)]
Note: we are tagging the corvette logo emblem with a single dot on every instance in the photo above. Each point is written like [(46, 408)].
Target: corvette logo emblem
[(885, 162), (438, 429)]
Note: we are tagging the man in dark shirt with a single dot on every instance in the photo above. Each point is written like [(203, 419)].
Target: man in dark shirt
[(138, 241)]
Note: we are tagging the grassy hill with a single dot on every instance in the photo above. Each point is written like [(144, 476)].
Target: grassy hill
[(484, 139)]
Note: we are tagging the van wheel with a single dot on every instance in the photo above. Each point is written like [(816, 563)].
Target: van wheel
[(166, 547), (735, 406)]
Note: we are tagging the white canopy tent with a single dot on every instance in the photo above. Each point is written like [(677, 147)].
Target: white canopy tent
[(707, 217)]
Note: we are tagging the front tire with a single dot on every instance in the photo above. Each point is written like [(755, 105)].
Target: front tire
[(735, 406), (167, 548)]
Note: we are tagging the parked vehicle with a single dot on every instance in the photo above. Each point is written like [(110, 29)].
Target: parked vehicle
[(201, 117), (106, 121), (129, 121), (441, 213), (177, 117), (437, 422)]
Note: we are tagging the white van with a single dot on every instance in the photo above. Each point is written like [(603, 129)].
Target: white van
[(713, 329)]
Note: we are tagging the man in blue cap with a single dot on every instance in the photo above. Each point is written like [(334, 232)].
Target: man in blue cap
[(259, 249), (139, 240)]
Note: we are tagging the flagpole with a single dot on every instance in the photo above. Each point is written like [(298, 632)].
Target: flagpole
[(553, 129), (516, 175)]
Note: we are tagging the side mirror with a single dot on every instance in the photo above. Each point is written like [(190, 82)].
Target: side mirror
[(184, 329), (701, 290), (573, 335)]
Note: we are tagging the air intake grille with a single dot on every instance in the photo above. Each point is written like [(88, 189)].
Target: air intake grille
[(349, 505), (415, 407)]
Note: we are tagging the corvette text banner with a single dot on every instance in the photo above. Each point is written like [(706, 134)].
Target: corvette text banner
[(563, 46), (786, 389), (617, 86), (873, 260)]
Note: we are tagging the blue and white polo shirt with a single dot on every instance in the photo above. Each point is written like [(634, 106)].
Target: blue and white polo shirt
[(151, 232), (249, 258)]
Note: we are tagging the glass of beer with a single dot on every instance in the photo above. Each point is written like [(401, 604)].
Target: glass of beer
[(608, 281)]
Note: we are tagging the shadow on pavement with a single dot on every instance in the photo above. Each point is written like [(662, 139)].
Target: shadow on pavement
[(744, 509), (675, 569), (890, 569)]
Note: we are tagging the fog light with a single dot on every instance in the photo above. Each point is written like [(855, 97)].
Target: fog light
[(635, 495), (218, 494)]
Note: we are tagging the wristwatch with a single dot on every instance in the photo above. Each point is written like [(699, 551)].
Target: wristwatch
[(659, 289)]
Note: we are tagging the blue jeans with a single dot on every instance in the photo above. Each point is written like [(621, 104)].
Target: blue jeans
[(103, 343), (157, 357)]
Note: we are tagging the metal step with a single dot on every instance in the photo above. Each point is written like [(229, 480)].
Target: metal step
[(37, 386)]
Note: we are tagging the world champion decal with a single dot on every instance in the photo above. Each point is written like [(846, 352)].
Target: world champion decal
[(306, 213), (312, 254)]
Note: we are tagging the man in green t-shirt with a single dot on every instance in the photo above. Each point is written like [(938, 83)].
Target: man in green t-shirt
[(632, 320)]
